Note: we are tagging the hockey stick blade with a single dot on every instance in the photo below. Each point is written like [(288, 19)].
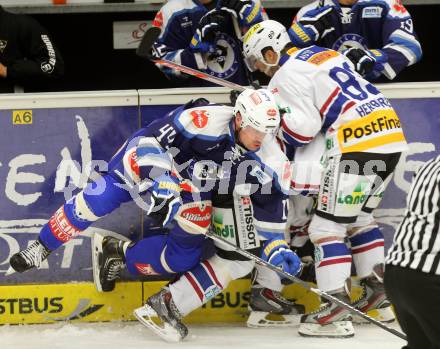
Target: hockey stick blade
[(199, 74), (323, 294), (150, 36)]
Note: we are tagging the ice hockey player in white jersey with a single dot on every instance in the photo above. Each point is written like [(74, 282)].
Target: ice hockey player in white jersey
[(320, 92)]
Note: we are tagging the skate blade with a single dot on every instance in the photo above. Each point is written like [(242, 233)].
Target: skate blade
[(166, 332), (96, 252), (10, 271), (385, 315), (337, 329), (258, 319)]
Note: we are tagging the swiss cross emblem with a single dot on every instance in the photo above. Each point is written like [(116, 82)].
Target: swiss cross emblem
[(256, 98), (199, 118), (271, 112), (245, 200)]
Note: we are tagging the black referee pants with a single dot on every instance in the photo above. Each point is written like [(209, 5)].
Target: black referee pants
[(416, 299)]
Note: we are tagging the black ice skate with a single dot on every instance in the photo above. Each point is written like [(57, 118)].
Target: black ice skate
[(108, 261), (330, 320), (373, 300), (161, 305), (270, 309), (30, 257)]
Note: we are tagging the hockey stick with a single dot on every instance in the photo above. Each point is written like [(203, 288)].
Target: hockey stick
[(199, 74), (146, 44), (323, 294)]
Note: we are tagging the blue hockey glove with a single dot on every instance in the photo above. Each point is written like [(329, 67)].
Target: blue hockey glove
[(278, 253), (368, 63), (165, 198), (313, 26), (246, 11), (209, 26)]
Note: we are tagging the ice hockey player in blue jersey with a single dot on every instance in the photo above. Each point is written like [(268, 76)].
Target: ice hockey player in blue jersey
[(376, 35), (171, 170), (205, 35)]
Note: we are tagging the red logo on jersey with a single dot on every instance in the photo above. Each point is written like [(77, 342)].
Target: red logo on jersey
[(132, 158), (158, 20), (324, 200), (145, 269), (271, 112), (274, 90), (255, 98), (200, 118), (198, 213), (398, 6)]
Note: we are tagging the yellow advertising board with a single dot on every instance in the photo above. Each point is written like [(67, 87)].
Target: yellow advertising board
[(31, 304), (34, 304)]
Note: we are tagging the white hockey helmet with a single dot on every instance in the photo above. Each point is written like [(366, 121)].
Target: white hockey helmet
[(266, 34), (259, 110)]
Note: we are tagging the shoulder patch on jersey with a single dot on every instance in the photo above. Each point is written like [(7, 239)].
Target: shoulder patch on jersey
[(261, 176), (306, 53), (199, 118), (322, 57), (372, 12)]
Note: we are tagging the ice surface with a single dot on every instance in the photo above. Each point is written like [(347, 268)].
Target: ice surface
[(132, 335)]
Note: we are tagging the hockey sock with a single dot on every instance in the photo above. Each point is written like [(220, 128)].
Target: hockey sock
[(333, 265), (268, 278), (96, 200), (145, 256), (205, 281), (196, 287), (161, 254), (368, 250)]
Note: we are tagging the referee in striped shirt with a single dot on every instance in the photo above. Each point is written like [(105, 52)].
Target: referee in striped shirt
[(412, 273)]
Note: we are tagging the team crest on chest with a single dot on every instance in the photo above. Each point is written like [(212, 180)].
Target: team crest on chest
[(347, 41), (223, 63)]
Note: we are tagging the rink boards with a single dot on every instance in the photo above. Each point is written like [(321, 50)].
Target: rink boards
[(51, 145), (30, 304)]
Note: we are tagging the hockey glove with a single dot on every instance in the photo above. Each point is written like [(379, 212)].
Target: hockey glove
[(246, 11), (209, 26), (165, 198), (368, 63), (278, 253), (313, 26)]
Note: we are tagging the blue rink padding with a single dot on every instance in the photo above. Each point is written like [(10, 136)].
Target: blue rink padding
[(34, 181)]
